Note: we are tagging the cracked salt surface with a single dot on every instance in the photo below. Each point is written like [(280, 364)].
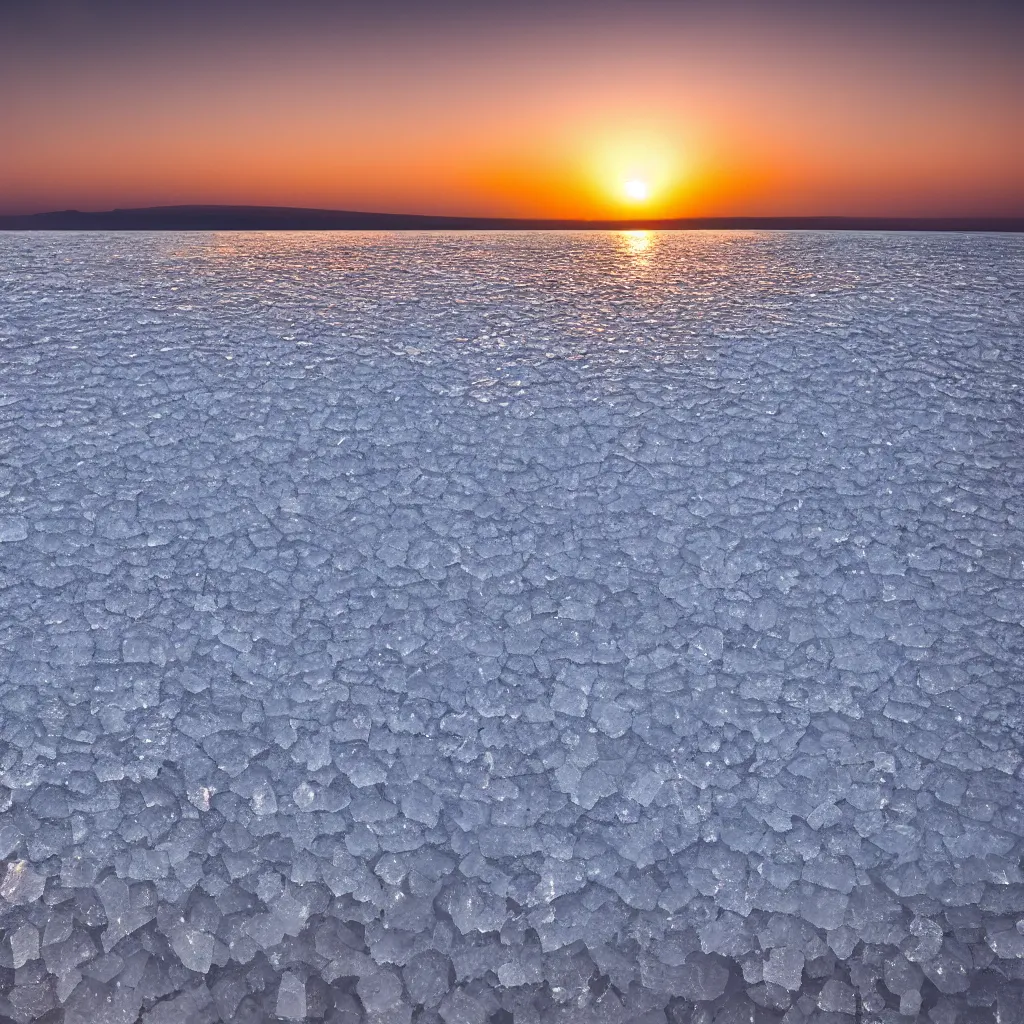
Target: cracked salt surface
[(488, 628)]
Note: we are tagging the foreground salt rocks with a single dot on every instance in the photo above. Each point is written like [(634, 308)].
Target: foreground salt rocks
[(502, 628)]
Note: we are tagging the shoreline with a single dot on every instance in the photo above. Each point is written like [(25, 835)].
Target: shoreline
[(260, 218)]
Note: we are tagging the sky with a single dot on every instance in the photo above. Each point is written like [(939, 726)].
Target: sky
[(563, 108)]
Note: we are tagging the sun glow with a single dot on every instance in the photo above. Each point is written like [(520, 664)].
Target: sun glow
[(638, 172), (637, 190)]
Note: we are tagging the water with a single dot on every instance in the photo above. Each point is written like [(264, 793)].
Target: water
[(577, 627)]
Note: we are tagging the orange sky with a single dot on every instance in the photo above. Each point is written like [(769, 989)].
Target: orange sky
[(728, 114)]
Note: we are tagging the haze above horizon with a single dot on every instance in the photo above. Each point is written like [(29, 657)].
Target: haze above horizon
[(563, 110)]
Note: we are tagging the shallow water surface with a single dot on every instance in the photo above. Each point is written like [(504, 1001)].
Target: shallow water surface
[(535, 627)]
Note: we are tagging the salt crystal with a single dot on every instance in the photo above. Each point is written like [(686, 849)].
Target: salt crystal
[(291, 997), (21, 884)]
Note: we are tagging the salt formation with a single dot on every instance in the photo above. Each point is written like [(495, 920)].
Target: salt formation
[(511, 628)]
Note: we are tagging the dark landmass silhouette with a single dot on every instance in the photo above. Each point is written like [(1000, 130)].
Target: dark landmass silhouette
[(285, 218)]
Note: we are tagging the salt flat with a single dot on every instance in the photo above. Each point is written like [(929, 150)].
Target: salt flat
[(512, 627)]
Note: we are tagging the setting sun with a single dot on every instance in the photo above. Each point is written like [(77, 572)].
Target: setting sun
[(640, 170), (637, 190)]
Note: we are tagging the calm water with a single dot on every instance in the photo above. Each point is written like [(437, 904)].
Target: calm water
[(488, 627)]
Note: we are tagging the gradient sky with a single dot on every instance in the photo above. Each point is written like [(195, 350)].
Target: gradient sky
[(515, 108)]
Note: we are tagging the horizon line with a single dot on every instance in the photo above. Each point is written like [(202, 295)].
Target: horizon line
[(231, 217)]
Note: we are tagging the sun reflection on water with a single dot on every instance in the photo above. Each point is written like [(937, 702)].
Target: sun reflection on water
[(637, 242)]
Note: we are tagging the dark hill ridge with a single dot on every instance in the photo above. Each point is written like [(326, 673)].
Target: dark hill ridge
[(285, 218)]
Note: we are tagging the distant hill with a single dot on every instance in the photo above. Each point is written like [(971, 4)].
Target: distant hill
[(285, 218)]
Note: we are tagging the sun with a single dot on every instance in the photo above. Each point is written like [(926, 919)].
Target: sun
[(636, 172), (636, 189)]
